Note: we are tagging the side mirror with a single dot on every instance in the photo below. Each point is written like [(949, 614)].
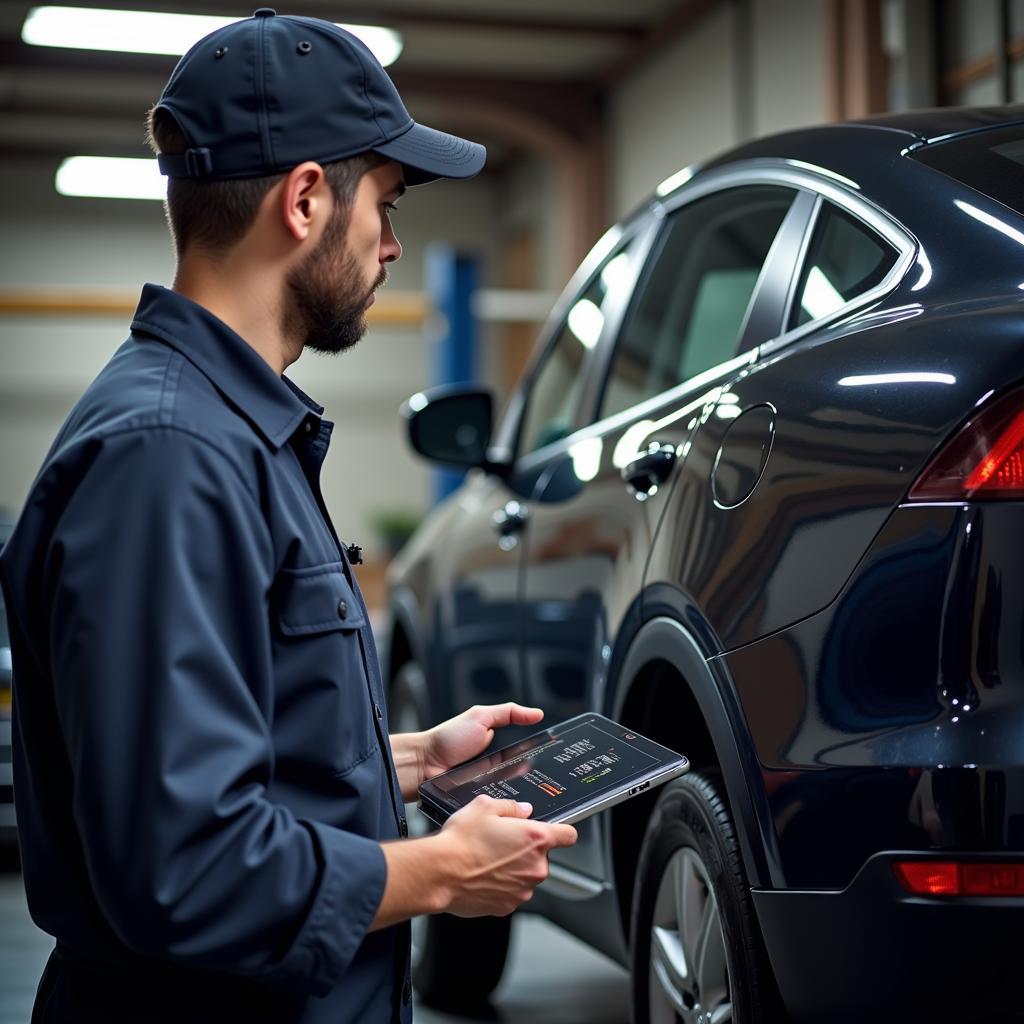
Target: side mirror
[(453, 425)]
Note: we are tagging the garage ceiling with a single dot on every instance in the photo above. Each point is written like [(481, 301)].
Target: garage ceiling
[(553, 61)]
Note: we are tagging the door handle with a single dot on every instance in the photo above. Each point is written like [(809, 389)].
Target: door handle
[(509, 522), (649, 469)]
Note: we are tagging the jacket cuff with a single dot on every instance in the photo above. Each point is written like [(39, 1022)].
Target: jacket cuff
[(350, 893)]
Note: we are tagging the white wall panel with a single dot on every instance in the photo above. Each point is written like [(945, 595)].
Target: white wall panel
[(677, 108), (789, 64)]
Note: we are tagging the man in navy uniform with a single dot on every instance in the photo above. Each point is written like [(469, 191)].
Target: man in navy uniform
[(209, 804)]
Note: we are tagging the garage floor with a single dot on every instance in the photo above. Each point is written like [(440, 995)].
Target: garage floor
[(551, 978)]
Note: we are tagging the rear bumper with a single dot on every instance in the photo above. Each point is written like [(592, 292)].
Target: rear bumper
[(872, 952)]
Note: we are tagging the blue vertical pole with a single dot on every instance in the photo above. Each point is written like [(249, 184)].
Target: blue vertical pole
[(451, 279)]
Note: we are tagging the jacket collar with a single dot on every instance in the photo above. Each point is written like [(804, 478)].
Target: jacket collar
[(272, 404)]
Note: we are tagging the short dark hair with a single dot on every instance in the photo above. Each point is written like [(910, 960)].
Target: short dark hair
[(216, 214)]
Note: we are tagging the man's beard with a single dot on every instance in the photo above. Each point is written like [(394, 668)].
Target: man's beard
[(328, 295)]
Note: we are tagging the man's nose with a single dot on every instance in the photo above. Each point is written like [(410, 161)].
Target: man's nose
[(390, 247)]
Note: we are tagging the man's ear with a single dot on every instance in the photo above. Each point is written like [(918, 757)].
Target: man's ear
[(304, 199)]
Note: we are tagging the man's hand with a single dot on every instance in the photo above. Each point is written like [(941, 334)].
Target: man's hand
[(419, 756), (488, 859), (464, 736), (500, 856)]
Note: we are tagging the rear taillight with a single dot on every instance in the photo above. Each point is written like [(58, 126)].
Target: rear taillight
[(983, 462), (967, 878)]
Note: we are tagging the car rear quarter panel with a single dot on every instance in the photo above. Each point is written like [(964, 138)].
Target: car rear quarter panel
[(849, 440)]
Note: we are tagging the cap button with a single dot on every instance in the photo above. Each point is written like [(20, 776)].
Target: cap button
[(264, 12)]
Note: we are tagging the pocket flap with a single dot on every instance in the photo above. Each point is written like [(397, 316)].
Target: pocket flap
[(317, 600)]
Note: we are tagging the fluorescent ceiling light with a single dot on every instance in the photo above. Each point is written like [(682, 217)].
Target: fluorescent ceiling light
[(92, 28), (111, 177)]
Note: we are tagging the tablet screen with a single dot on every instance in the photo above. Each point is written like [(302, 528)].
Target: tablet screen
[(570, 764)]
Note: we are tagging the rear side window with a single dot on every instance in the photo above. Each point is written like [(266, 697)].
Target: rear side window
[(694, 298), (846, 259)]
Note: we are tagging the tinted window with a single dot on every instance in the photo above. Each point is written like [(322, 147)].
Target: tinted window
[(694, 298), (555, 390), (845, 259)]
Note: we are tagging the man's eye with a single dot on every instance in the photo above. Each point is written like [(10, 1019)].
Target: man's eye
[(391, 208)]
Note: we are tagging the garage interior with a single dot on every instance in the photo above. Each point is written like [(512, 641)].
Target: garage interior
[(585, 106)]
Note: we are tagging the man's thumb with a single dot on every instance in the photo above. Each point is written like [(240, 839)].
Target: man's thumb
[(514, 809)]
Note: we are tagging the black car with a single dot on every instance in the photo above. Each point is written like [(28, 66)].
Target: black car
[(8, 826), (759, 496)]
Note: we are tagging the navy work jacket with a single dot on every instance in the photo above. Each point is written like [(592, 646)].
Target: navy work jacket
[(202, 768)]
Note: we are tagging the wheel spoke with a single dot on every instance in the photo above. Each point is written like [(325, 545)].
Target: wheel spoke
[(666, 978), (722, 1014), (709, 966), (690, 900), (668, 955)]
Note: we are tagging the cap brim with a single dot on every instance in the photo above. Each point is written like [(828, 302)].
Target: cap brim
[(427, 154)]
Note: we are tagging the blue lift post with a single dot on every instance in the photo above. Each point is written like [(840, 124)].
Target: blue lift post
[(451, 279)]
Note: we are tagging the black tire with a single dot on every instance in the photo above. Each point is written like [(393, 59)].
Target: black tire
[(457, 961), (461, 962), (690, 870)]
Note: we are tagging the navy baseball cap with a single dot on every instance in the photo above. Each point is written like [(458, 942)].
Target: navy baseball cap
[(260, 96)]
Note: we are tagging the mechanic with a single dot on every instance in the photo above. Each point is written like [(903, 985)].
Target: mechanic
[(209, 805)]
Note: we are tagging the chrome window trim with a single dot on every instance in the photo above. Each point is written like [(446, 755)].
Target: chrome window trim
[(825, 187), (703, 384), (759, 171)]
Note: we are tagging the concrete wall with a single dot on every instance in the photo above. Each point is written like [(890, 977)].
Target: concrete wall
[(743, 70), (101, 246)]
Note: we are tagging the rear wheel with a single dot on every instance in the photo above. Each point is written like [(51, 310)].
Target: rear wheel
[(698, 956), (457, 962)]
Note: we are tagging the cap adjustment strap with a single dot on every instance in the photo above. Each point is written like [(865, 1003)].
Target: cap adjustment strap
[(193, 163)]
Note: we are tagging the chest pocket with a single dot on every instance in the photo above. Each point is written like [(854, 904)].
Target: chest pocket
[(317, 600), (324, 718)]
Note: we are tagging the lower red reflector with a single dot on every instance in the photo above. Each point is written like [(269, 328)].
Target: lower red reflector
[(971, 878), (928, 877)]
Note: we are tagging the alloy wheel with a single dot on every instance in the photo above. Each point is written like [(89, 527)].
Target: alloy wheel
[(689, 978)]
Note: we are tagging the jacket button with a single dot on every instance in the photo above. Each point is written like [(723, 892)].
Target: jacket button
[(407, 992), (342, 609)]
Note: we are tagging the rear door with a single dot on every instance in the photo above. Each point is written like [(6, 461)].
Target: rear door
[(663, 363)]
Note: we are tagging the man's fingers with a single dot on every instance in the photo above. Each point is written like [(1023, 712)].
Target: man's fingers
[(563, 835), (496, 716), (520, 715)]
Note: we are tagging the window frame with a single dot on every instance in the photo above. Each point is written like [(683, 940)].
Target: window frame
[(874, 219), (779, 276), (640, 230), (766, 299)]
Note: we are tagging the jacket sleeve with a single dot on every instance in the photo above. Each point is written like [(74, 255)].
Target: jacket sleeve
[(159, 573)]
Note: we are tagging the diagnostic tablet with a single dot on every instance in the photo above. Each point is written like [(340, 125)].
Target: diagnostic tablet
[(567, 772)]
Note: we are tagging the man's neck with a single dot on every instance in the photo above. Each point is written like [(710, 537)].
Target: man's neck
[(247, 300)]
